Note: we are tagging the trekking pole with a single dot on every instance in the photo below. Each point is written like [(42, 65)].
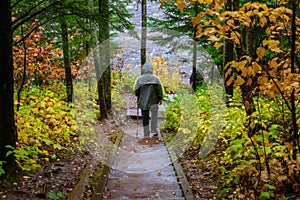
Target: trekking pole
[(137, 120)]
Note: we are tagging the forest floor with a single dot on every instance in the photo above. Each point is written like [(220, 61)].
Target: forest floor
[(58, 179)]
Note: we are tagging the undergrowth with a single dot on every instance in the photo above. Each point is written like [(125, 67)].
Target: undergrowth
[(259, 165), (45, 127)]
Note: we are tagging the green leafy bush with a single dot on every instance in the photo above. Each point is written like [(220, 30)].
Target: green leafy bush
[(253, 157), (45, 125)]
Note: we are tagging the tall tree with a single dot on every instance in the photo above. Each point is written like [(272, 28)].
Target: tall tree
[(295, 134), (144, 32), (228, 54), (194, 74), (104, 89), (7, 126), (67, 63)]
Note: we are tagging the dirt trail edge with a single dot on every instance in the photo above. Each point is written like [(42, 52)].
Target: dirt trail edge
[(144, 169)]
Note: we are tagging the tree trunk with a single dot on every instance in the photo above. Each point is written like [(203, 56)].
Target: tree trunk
[(228, 55), (293, 70), (104, 89), (67, 63), (245, 89), (194, 74), (144, 32), (7, 123), (238, 47)]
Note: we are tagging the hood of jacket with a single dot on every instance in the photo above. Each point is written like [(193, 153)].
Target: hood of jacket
[(147, 68), (147, 77)]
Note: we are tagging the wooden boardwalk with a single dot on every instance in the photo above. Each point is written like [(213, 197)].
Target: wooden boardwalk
[(142, 170)]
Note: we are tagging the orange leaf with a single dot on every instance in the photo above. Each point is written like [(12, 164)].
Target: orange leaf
[(250, 70), (260, 51), (256, 67), (270, 94), (262, 80), (230, 81), (249, 81), (240, 66), (262, 21), (228, 72), (217, 45), (273, 64), (180, 5), (239, 81), (196, 20)]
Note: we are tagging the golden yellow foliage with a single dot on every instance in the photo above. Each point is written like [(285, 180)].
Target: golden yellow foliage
[(168, 75)]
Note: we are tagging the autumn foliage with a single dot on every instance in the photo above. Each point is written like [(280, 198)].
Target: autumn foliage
[(260, 143), (39, 58)]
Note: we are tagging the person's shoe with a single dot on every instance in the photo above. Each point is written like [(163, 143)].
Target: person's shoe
[(155, 135), (155, 132)]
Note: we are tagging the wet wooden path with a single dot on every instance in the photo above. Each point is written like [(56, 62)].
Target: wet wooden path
[(143, 169)]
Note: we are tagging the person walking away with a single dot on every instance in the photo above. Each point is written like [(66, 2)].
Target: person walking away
[(149, 92)]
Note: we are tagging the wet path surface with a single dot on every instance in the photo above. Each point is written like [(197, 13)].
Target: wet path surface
[(142, 168), (143, 172)]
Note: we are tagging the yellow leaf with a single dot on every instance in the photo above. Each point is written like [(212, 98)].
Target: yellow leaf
[(248, 58), (273, 64), (196, 20), (217, 45), (244, 72), (272, 18), (226, 28), (35, 110), (273, 45), (228, 72), (268, 31), (262, 80), (246, 21), (263, 21), (180, 5), (213, 38), (235, 36), (250, 71), (230, 81), (241, 65), (239, 81), (273, 73), (246, 6), (48, 116), (260, 51), (256, 67)]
